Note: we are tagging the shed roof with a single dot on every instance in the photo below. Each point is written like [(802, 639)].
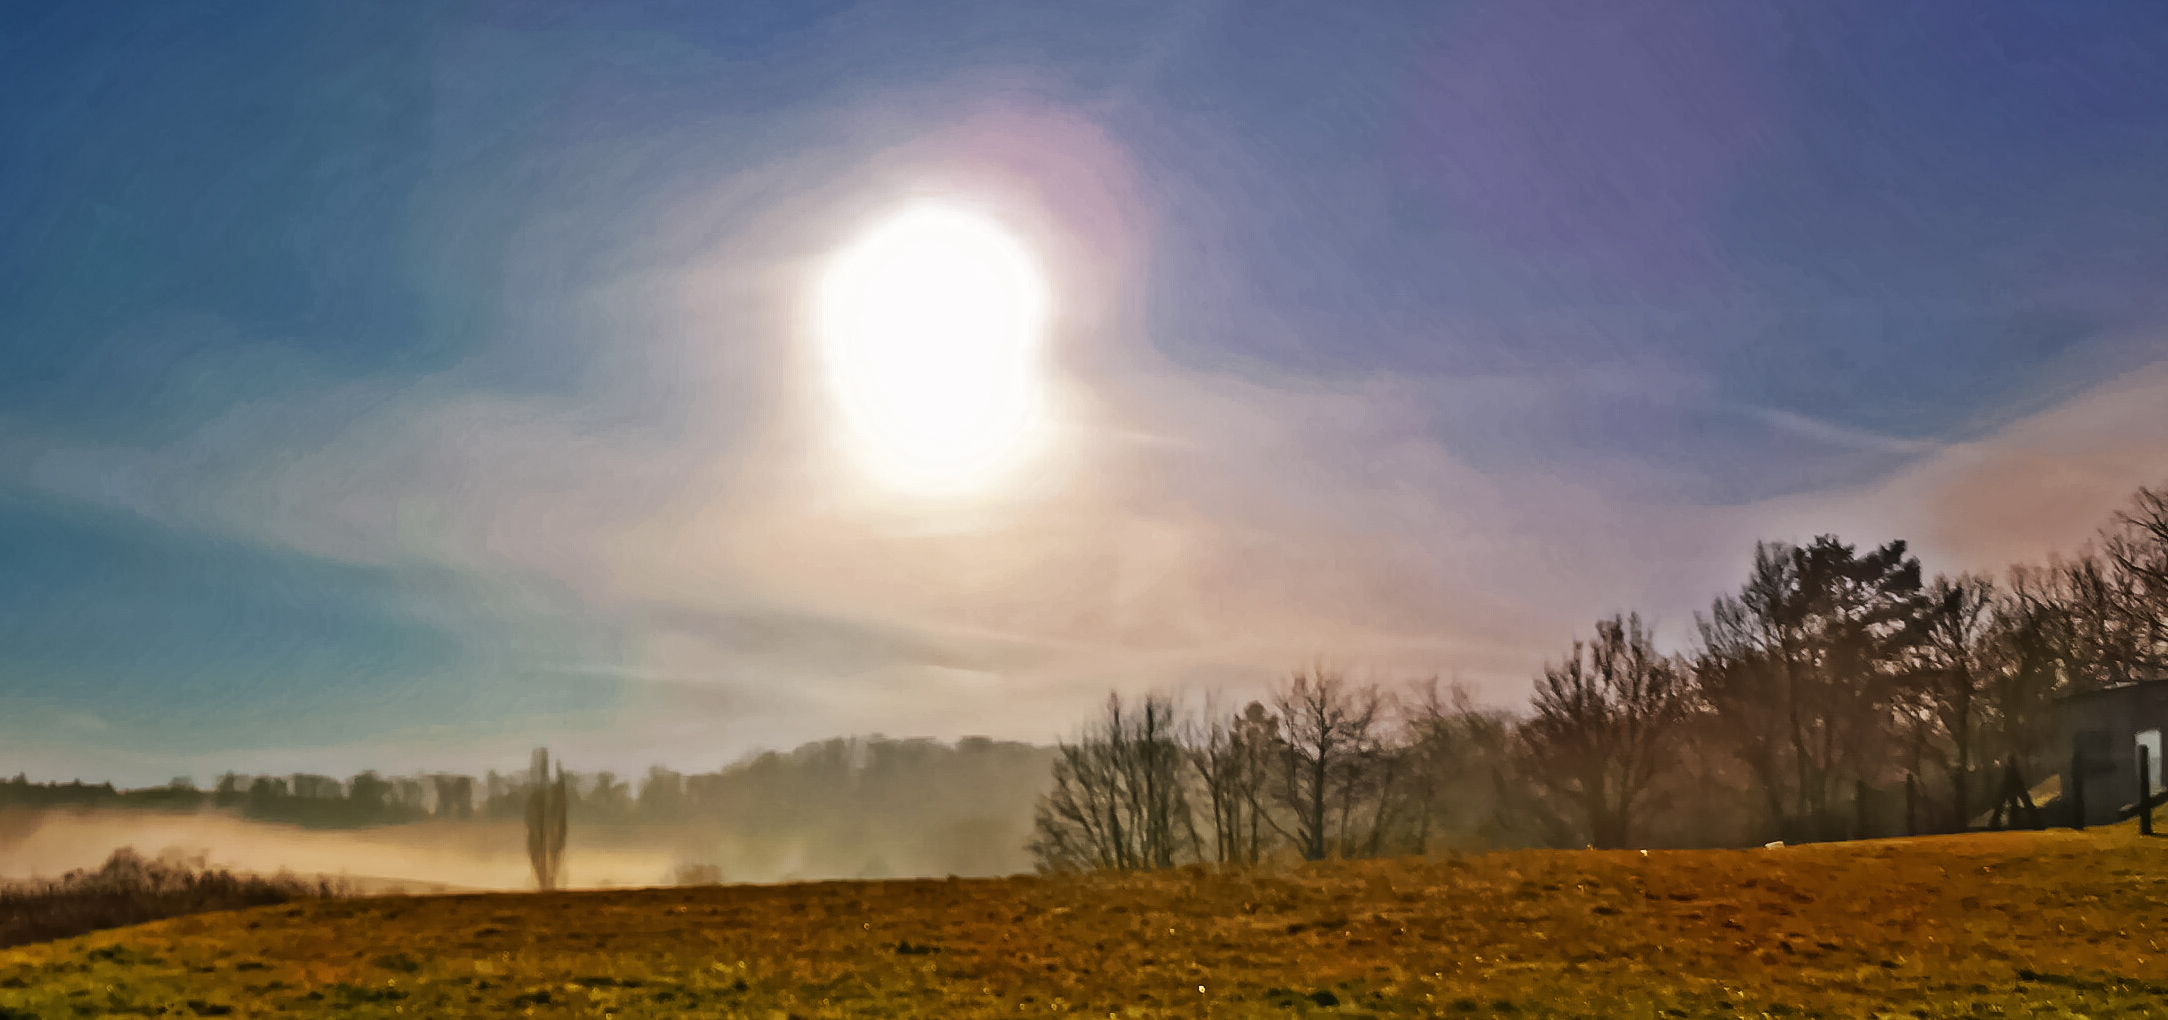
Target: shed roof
[(2115, 688)]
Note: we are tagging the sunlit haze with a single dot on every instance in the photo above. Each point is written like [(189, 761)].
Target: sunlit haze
[(404, 387)]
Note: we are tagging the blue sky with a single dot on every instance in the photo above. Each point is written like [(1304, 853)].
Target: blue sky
[(398, 385)]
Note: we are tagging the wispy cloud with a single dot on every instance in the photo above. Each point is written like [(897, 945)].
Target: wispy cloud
[(1839, 435)]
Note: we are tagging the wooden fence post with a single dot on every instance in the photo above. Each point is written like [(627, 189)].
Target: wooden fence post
[(2077, 788), (1912, 804), (1859, 809), (2145, 790), (2023, 793), (2002, 799)]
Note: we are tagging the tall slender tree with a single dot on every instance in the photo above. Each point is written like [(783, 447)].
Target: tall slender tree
[(546, 822), (1960, 629)]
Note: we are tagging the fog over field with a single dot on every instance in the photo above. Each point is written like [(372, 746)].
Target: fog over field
[(868, 807), (451, 856), (479, 855)]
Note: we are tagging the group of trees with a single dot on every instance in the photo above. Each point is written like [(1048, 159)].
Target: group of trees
[(1832, 679), (1829, 681), (1327, 767), (807, 786), (366, 799), (863, 807)]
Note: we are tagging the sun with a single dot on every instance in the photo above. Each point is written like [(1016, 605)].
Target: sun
[(931, 328)]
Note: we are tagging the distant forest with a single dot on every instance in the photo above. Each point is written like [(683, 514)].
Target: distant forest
[(864, 784)]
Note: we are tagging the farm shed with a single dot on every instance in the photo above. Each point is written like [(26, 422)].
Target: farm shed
[(2105, 727)]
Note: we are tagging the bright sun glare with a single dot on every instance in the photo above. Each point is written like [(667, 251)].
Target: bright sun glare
[(931, 327)]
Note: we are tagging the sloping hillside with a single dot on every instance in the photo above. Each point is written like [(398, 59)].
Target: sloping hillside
[(2007, 924)]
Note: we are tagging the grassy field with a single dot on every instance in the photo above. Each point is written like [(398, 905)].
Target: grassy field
[(2018, 924)]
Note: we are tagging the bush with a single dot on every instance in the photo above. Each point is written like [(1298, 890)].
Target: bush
[(128, 889), (699, 874)]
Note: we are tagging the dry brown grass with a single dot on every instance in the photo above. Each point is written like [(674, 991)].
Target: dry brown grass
[(2038, 924)]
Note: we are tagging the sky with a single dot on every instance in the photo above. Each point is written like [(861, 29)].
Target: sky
[(404, 385)]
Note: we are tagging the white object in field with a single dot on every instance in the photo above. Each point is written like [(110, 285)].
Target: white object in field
[(1774, 844), (2150, 740)]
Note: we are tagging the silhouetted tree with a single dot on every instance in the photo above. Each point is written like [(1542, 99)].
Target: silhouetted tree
[(1807, 666), (1960, 631), (455, 796), (600, 797), (368, 797), (264, 796), (2137, 545), (2101, 634), (1602, 726), (1233, 757), (1467, 786), (1330, 761), (2031, 661), (1707, 798), (228, 792), (546, 822), (1118, 800), (662, 796)]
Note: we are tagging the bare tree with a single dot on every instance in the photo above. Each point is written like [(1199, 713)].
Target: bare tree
[(1232, 755), (1330, 763), (2027, 660), (1391, 804), (2137, 544), (1960, 629), (1118, 800), (2101, 626), (1257, 743), (2147, 522), (1457, 761), (1602, 726), (546, 822)]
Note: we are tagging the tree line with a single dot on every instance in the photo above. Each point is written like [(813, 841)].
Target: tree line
[(301, 798), (846, 807), (1838, 693)]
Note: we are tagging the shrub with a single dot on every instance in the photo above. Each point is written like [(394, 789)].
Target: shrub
[(129, 889)]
